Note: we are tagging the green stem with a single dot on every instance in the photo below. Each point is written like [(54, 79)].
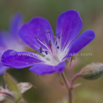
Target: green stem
[(67, 85)]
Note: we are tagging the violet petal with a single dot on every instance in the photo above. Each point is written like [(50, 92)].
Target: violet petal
[(42, 69), (69, 24), (81, 41), (37, 29), (19, 60)]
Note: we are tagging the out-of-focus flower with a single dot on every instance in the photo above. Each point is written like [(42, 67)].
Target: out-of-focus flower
[(10, 39), (13, 90), (52, 52), (24, 86), (6, 93)]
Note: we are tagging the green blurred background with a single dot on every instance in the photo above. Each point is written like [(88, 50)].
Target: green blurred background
[(49, 89)]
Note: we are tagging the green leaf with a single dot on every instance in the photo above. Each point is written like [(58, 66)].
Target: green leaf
[(12, 85)]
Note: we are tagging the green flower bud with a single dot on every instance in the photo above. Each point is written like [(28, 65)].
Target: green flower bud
[(92, 71)]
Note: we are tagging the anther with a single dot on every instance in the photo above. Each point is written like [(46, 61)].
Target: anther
[(41, 50), (56, 42), (48, 31), (57, 35), (57, 47), (46, 52), (36, 38), (50, 43)]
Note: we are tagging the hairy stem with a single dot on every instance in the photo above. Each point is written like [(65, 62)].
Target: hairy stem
[(70, 96), (65, 80), (70, 85), (74, 78), (67, 85)]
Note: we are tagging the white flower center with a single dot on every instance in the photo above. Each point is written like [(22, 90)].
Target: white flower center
[(52, 53)]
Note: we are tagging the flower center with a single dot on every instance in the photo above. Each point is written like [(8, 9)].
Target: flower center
[(51, 50)]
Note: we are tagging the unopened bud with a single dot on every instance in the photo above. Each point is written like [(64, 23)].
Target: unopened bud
[(92, 71)]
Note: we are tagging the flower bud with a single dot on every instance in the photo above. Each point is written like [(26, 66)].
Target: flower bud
[(92, 71)]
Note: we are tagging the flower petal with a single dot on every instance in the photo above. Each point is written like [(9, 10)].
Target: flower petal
[(42, 69), (15, 24), (84, 39), (38, 28), (7, 42), (19, 59), (69, 24)]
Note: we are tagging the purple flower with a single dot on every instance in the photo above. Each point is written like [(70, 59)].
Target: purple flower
[(10, 39), (52, 52)]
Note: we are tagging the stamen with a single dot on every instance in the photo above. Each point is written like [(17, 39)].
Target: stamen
[(56, 42), (46, 52), (57, 35), (57, 47), (48, 31), (50, 43), (41, 43), (48, 34), (44, 45), (44, 42), (36, 38), (41, 50)]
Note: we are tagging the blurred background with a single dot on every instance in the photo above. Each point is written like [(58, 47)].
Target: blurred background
[(49, 87)]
